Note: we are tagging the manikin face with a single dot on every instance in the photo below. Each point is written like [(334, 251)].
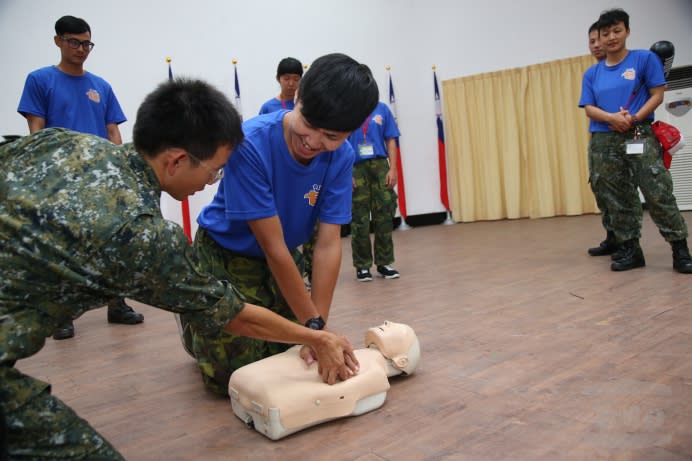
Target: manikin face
[(289, 84), (595, 47), (614, 38), (305, 142), (73, 56)]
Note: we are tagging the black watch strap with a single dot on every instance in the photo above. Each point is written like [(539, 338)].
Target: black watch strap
[(315, 323)]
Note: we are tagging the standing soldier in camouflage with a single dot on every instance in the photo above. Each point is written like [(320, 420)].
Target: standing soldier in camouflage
[(609, 245), (292, 169), (620, 95), (67, 96), (81, 223), (374, 178)]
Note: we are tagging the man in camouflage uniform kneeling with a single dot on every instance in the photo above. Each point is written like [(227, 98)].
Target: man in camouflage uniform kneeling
[(81, 223)]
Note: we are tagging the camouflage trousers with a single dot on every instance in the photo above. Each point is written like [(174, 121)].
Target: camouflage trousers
[(617, 175), (44, 428), (219, 356), (371, 198), (308, 249), (601, 202)]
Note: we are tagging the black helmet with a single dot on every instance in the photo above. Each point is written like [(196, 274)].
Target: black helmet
[(666, 52)]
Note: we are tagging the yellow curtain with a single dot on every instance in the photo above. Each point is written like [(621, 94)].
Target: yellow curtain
[(516, 143)]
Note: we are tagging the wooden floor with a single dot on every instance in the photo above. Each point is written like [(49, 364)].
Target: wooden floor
[(531, 350)]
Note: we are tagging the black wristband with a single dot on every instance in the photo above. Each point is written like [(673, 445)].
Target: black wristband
[(315, 323)]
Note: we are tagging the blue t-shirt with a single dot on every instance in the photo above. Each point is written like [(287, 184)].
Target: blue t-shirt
[(379, 127), (83, 103), (262, 179), (275, 104), (610, 87)]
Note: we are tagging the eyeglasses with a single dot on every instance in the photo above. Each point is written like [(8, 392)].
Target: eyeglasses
[(214, 175), (74, 43)]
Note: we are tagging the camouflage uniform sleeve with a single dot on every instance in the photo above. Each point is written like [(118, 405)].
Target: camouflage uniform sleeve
[(150, 260)]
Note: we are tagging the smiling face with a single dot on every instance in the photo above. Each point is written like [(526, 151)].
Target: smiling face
[(306, 142)]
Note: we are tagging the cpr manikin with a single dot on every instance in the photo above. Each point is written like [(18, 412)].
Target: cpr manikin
[(280, 395)]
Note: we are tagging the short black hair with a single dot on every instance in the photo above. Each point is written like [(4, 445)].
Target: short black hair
[(289, 66), (337, 93), (187, 114), (71, 25), (609, 18), (593, 27)]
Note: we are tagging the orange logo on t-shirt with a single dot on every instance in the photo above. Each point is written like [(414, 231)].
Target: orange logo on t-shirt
[(94, 95), (377, 119), (629, 74), (312, 195)]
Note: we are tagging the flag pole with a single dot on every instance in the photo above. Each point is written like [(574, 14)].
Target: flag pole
[(236, 88), (399, 162), (184, 203), (442, 156)]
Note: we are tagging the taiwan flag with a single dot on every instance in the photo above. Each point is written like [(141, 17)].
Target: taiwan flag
[(400, 186), (184, 204), (441, 155)]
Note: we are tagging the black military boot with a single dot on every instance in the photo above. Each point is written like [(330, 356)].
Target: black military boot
[(682, 262), (632, 258), (619, 252), (606, 247), (119, 312), (64, 331)]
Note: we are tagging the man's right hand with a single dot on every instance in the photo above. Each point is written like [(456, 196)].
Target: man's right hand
[(334, 355), (619, 121)]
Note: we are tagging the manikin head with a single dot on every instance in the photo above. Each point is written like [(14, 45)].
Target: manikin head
[(398, 344)]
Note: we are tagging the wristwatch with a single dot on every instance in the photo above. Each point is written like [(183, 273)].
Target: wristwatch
[(315, 323)]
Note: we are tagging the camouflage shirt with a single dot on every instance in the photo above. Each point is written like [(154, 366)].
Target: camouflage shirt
[(80, 224)]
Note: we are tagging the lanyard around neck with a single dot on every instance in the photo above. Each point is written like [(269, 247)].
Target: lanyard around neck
[(365, 128)]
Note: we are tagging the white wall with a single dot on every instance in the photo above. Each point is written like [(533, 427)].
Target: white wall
[(460, 37)]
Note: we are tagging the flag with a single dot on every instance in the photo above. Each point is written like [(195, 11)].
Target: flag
[(399, 165), (185, 205), (441, 156), (237, 90)]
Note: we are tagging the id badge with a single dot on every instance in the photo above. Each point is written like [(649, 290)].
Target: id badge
[(366, 150), (635, 147)]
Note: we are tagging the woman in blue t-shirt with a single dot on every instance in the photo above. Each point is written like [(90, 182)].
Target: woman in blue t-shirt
[(620, 95)]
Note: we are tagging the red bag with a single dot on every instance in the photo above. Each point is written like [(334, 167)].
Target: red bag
[(670, 138)]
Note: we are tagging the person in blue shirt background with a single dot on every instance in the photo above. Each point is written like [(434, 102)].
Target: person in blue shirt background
[(67, 96), (288, 74), (620, 95), (374, 178)]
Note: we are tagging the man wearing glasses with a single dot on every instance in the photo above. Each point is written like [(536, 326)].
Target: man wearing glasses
[(81, 223), (67, 96)]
